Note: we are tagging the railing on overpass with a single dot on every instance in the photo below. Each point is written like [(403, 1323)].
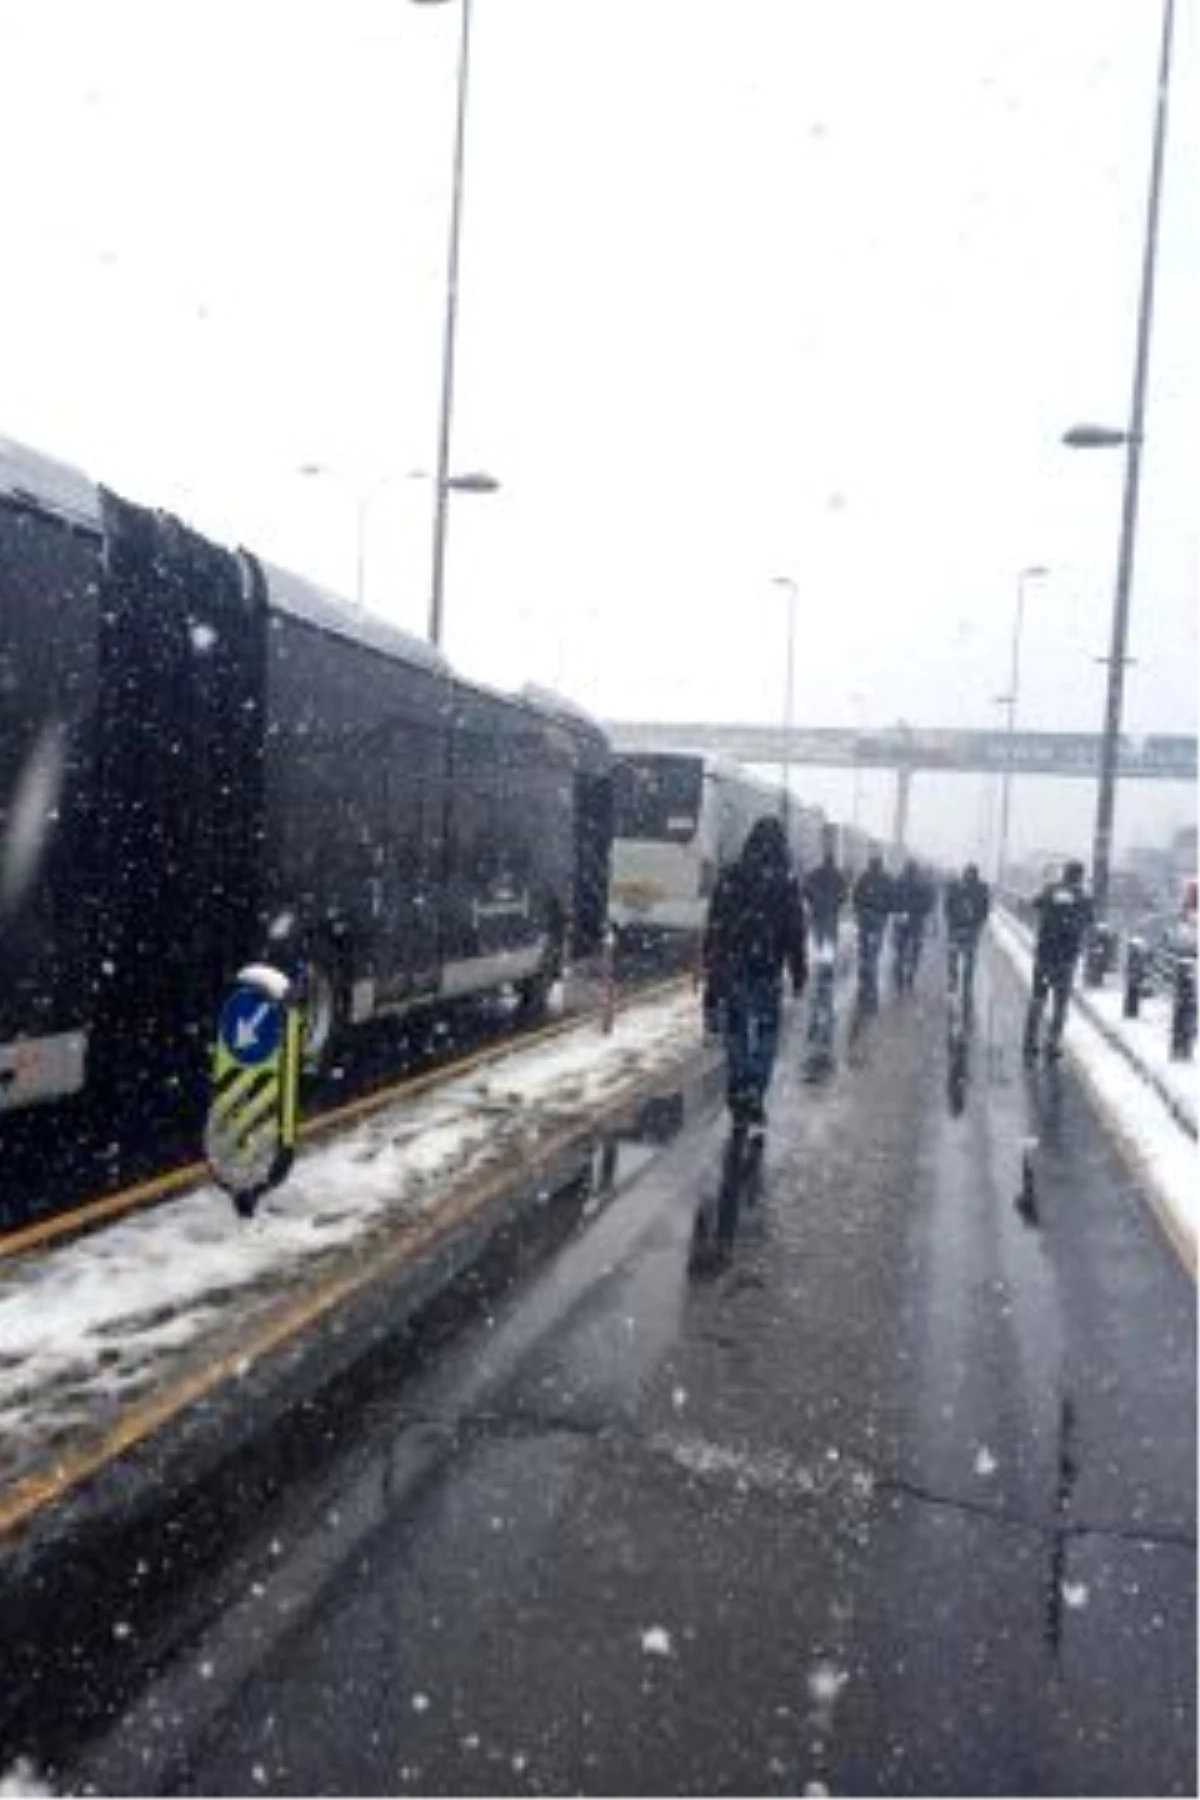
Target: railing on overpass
[(1064, 753)]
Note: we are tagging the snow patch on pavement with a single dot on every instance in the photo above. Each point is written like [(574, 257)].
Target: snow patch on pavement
[(88, 1326)]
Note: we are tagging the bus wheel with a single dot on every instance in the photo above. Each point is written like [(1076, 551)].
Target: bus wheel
[(324, 1010), (533, 995)]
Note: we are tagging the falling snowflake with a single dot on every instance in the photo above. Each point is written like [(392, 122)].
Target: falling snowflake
[(22, 1782), (826, 1683), (656, 1641), (985, 1462), (679, 1398), (1075, 1593), (420, 1702)]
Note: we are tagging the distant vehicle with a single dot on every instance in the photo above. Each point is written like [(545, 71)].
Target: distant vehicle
[(1184, 854), (679, 818), (206, 761), (1184, 929)]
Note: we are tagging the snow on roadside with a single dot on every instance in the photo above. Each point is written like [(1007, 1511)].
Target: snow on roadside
[(1155, 1140), (87, 1326)]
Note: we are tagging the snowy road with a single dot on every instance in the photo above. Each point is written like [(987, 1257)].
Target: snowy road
[(902, 1502)]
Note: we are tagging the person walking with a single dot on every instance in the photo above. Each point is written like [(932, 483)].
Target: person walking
[(824, 890), (912, 903), (756, 928), (1063, 912), (872, 902), (966, 905)]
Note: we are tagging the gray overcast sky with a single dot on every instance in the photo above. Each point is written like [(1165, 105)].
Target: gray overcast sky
[(802, 286)]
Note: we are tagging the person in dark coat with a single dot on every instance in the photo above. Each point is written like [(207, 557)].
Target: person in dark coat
[(825, 889), (1064, 914), (966, 905), (912, 903), (756, 927), (872, 903)]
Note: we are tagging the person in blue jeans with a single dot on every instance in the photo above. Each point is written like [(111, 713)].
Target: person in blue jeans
[(756, 927)]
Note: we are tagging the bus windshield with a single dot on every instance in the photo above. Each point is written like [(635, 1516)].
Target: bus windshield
[(658, 797)]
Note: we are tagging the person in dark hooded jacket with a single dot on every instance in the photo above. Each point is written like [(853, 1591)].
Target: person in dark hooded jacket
[(1064, 916), (872, 900), (756, 927)]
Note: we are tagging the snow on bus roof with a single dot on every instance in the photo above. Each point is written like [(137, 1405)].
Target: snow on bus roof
[(52, 486), (301, 599), (549, 701)]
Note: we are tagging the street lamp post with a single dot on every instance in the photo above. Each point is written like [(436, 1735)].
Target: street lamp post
[(449, 332), (471, 481), (1087, 436), (785, 581), (1033, 572)]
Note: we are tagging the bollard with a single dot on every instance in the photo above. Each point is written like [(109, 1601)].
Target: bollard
[(608, 1001), (1136, 961), (1100, 954), (1183, 1008), (250, 1129)]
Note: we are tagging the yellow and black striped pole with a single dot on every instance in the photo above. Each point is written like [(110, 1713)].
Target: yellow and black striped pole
[(250, 1132)]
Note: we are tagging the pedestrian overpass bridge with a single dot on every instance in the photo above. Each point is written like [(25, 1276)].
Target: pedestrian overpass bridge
[(908, 748)]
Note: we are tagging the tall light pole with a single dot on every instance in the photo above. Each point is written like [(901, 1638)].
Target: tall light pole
[(1032, 573), (785, 581), (1087, 436), (450, 326)]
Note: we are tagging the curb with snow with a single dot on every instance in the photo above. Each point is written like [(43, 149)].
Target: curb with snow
[(94, 1330), (1148, 1110)]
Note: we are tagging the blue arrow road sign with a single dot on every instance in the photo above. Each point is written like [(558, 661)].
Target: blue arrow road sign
[(251, 1027)]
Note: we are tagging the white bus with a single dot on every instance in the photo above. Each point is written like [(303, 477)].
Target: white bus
[(679, 817)]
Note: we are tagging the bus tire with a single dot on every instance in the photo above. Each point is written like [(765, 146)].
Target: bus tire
[(326, 1008), (533, 994)]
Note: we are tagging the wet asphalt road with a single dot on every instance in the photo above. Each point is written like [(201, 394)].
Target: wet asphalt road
[(902, 1502)]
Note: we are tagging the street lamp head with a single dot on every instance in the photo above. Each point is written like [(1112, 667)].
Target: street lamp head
[(475, 481), (1095, 437), (1034, 569)]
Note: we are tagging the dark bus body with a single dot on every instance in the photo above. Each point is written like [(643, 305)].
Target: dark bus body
[(205, 761)]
